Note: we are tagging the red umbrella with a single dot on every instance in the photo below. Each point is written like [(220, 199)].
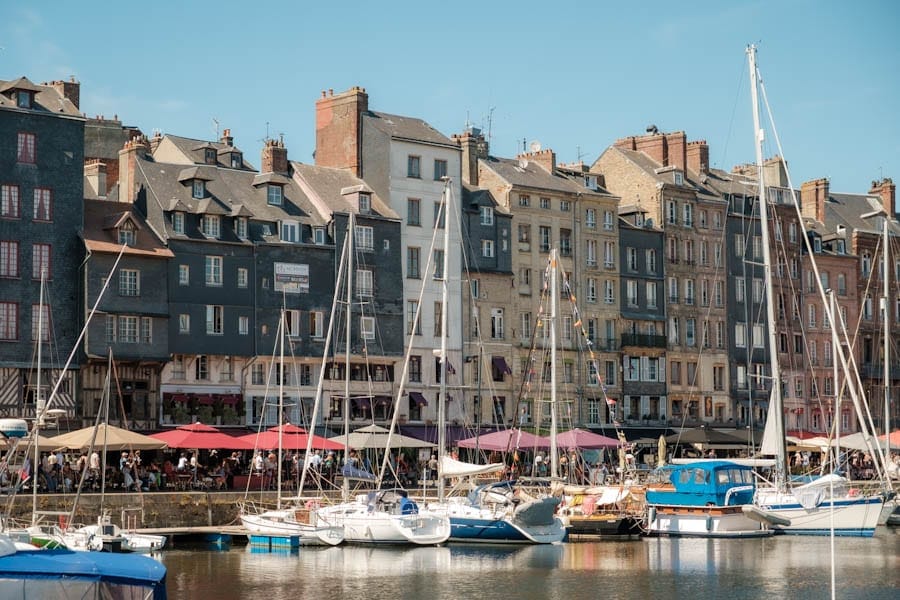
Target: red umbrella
[(508, 439), (581, 438), (201, 437), (292, 438)]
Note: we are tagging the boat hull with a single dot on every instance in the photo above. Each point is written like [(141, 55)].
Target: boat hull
[(702, 521), (279, 523), (365, 526), (851, 516)]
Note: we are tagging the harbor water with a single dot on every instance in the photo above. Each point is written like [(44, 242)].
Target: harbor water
[(772, 568)]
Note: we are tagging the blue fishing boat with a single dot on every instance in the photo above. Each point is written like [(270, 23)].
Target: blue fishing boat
[(29, 572), (703, 499)]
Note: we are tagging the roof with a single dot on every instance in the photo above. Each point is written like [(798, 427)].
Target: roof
[(528, 173), (476, 196), (328, 188), (196, 150), (102, 217), (129, 569), (846, 210), (407, 128), (103, 138), (46, 97)]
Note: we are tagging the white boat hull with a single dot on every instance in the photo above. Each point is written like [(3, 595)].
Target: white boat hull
[(283, 523), (701, 521), (498, 525), (846, 515), (365, 526)]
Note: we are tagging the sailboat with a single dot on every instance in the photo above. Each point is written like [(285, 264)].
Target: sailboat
[(383, 516), (500, 512), (292, 517), (829, 503)]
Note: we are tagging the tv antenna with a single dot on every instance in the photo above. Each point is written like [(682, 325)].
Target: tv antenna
[(534, 146), (216, 126), (490, 121)]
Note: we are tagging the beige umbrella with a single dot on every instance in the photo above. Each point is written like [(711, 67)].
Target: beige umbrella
[(373, 436), (108, 436), (44, 443), (661, 451)]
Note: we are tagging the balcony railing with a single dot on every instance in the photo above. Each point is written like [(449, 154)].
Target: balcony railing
[(644, 340)]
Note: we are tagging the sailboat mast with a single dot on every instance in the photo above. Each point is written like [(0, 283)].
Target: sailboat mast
[(39, 404), (442, 405), (351, 232), (886, 311), (775, 398), (554, 307), (282, 333)]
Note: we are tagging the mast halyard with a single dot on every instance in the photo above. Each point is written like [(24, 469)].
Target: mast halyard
[(351, 232), (442, 404), (885, 314), (554, 308), (775, 411)]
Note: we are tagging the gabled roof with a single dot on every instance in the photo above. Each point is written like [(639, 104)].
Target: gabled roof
[(846, 210), (407, 128), (46, 97), (101, 221), (529, 174), (474, 196), (195, 150), (328, 188)]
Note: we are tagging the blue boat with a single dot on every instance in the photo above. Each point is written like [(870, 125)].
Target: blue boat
[(29, 572), (703, 499)]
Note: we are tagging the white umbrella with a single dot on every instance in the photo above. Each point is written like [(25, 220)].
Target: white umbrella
[(375, 437)]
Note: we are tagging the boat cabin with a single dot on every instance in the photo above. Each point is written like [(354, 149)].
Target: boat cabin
[(707, 483)]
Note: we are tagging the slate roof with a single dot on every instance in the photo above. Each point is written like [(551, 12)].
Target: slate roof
[(46, 98), (407, 128), (102, 217), (846, 210), (529, 174), (326, 187)]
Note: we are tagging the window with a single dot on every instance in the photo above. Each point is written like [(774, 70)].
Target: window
[(316, 324), (213, 271), (689, 291), (631, 292), (40, 312), (741, 377), (688, 215), (214, 319), (289, 231), (546, 238), (675, 372), (184, 323), (413, 167), (415, 369), (43, 204), (590, 218), (811, 315), (474, 288), (209, 225), (365, 283), (545, 203), (524, 200), (178, 222), (367, 328), (129, 282), (631, 259), (412, 212), (565, 242), (438, 264), (497, 323), (690, 332), (412, 263), (487, 215), (651, 294), (40, 261), (9, 259), (440, 169), (128, 329), (591, 253), (525, 319), (740, 335), (739, 289), (184, 275), (679, 178), (9, 201), (9, 321), (127, 234), (242, 277), (609, 253), (365, 204), (25, 150), (364, 238), (591, 289), (719, 293), (704, 292), (319, 235), (439, 216), (202, 368), (487, 248), (243, 325), (792, 232), (608, 220), (565, 206), (759, 335), (609, 292), (701, 219), (651, 260), (673, 290), (671, 212), (198, 188), (413, 320), (841, 284), (739, 244)]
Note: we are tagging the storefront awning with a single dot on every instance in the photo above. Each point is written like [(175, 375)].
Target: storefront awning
[(418, 398), (500, 364)]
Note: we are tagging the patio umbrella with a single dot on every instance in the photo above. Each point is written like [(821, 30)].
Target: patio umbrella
[(201, 437), (585, 440), (44, 443), (661, 451), (108, 436), (373, 436), (705, 437), (507, 439), (292, 438), (893, 438)]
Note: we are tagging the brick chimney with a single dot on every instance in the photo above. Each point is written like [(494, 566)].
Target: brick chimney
[(668, 149), (473, 146), (813, 196), (155, 141), (698, 156), (888, 192), (274, 157), (339, 129), (545, 158), (68, 89), (226, 138), (94, 179), (134, 148)]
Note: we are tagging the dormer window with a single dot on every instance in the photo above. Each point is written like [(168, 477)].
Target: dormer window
[(590, 182), (237, 160), (209, 155), (365, 204), (319, 236), (210, 226), (679, 178), (127, 233), (240, 227), (24, 98), (290, 231), (178, 222), (817, 245), (198, 188), (274, 195), (841, 247)]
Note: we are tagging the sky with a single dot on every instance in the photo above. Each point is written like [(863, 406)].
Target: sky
[(573, 77)]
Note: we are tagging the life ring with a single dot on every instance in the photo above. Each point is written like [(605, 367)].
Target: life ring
[(853, 492)]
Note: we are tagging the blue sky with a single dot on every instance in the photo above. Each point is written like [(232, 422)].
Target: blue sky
[(574, 76)]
